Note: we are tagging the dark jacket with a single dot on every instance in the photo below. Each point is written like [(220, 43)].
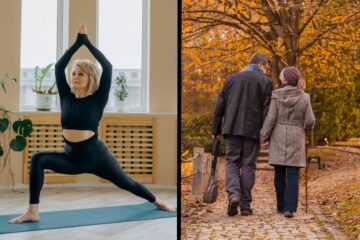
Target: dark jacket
[(243, 102)]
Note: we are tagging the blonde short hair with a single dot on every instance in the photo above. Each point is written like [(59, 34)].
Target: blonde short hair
[(91, 70), (281, 76)]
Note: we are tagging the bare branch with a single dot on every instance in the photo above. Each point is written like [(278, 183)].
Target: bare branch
[(259, 31), (198, 32), (312, 16), (321, 33), (214, 60), (259, 34)]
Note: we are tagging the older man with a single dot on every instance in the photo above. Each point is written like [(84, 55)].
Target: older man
[(243, 102)]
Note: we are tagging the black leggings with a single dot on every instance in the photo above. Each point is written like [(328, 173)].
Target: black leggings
[(89, 156)]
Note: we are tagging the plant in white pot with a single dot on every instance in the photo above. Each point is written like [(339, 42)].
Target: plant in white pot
[(120, 92), (43, 96)]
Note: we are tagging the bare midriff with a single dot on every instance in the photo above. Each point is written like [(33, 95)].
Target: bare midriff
[(73, 135)]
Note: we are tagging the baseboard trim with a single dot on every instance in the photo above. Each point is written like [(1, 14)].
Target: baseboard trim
[(21, 186)]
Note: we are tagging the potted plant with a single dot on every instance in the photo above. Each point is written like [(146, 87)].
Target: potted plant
[(120, 92), (43, 96), (22, 128)]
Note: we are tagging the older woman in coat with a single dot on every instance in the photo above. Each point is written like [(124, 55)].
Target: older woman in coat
[(290, 113)]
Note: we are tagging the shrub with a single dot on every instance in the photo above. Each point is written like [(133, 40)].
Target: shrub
[(196, 132), (337, 113)]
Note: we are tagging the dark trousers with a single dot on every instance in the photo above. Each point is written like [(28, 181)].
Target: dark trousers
[(287, 187), (89, 156), (241, 154)]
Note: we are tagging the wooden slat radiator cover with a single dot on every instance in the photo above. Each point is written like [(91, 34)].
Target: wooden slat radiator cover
[(47, 136), (132, 140)]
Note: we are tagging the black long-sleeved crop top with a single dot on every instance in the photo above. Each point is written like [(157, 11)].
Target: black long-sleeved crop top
[(82, 113)]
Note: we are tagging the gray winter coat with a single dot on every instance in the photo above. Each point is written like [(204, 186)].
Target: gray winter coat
[(290, 113)]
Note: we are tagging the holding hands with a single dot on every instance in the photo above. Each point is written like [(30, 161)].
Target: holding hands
[(218, 137), (265, 145)]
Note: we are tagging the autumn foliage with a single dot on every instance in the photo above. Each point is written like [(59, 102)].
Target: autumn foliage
[(321, 37)]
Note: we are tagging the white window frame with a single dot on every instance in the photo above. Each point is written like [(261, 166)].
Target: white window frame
[(144, 55), (62, 27), (61, 43)]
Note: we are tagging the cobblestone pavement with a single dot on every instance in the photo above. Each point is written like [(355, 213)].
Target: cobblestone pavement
[(265, 223)]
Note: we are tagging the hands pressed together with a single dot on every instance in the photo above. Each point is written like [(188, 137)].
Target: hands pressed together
[(83, 29), (83, 35)]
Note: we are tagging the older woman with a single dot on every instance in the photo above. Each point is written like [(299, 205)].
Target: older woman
[(82, 106), (290, 113)]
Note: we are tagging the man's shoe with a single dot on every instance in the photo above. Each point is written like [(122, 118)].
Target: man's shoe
[(288, 214), (246, 212), (233, 206)]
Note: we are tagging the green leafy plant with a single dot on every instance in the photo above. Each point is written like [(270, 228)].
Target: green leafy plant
[(7, 77), (40, 74), (196, 132), (21, 129), (337, 113), (121, 87)]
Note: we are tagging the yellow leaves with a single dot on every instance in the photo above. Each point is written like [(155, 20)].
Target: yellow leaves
[(186, 169), (329, 66), (337, 19), (252, 4), (185, 153), (211, 57)]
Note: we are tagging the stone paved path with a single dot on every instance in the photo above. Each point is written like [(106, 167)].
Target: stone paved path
[(264, 224)]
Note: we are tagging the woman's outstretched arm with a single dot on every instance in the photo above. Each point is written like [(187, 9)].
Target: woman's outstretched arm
[(105, 80), (269, 122), (61, 64)]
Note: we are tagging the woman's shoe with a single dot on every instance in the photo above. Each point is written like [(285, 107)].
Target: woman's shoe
[(288, 214)]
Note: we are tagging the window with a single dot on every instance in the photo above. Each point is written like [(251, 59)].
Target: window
[(44, 36), (122, 37), (134, 75), (42, 28)]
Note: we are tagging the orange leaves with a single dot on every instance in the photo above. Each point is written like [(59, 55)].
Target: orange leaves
[(222, 36), (186, 169), (252, 4)]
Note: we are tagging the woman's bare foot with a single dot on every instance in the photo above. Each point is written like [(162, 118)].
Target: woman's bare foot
[(164, 206), (26, 217), (31, 215)]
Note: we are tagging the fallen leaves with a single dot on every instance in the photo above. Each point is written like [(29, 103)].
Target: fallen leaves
[(343, 204)]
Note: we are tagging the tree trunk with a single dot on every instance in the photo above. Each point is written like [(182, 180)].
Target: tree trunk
[(275, 71)]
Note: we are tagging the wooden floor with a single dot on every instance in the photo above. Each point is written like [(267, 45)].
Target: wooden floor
[(74, 197)]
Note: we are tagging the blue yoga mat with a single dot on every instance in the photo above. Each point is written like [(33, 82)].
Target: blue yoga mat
[(84, 217)]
